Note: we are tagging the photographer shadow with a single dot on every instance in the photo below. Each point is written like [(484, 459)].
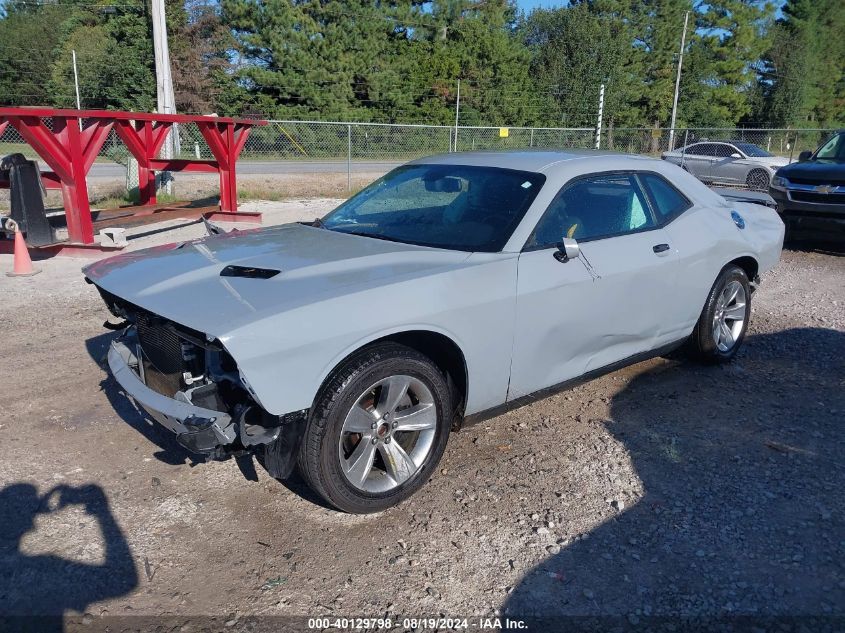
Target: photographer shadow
[(36, 590), (740, 513)]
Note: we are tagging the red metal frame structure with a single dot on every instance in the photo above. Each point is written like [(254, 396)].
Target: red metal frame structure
[(77, 136)]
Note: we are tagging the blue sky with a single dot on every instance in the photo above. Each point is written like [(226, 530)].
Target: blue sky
[(527, 5)]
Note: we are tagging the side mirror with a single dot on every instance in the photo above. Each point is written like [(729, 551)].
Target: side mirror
[(567, 249), (805, 155), (736, 155)]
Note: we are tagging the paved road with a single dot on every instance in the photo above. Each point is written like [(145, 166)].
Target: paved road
[(260, 168)]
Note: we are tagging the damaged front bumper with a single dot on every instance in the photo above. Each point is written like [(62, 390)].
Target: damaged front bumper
[(215, 433), (198, 429)]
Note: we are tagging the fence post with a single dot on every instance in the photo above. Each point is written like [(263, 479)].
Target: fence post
[(349, 158), (598, 122), (531, 140)]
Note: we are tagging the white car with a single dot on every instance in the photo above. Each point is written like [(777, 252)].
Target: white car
[(728, 162), (452, 287)]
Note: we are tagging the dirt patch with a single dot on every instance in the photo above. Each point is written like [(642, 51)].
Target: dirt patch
[(663, 489)]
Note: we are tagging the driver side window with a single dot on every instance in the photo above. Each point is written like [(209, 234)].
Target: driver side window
[(593, 207)]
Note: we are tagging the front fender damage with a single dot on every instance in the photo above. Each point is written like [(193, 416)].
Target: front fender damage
[(193, 388)]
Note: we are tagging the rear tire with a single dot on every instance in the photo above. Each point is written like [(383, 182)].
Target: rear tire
[(721, 328), (377, 430)]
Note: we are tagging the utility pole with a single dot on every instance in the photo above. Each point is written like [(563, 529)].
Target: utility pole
[(457, 114), (76, 82), (165, 101), (678, 84), (601, 113)]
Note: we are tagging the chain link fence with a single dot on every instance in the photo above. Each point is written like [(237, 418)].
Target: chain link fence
[(371, 149)]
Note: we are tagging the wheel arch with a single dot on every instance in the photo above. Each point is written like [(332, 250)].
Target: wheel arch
[(439, 347), (748, 264)]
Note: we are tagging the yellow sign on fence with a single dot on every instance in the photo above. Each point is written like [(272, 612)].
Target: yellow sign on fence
[(504, 132)]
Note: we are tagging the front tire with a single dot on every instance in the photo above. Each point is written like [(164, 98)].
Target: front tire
[(721, 328), (757, 180), (377, 430)]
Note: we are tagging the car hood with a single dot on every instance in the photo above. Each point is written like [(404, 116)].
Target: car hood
[(183, 282), (817, 171), (773, 161)]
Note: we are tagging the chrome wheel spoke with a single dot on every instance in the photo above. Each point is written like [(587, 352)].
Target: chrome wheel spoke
[(717, 332), (358, 420), (420, 417), (398, 463), (727, 336), (393, 391), (735, 312), (360, 462)]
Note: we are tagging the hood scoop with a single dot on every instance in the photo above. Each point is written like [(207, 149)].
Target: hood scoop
[(249, 272)]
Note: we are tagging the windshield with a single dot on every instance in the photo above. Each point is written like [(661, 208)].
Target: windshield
[(834, 149), (749, 149), (457, 207)]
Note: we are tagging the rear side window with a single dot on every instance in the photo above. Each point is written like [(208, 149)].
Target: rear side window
[(667, 201)]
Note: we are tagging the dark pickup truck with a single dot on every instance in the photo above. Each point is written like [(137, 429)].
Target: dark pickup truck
[(810, 194)]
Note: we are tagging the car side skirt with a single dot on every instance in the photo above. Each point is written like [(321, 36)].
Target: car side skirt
[(516, 403)]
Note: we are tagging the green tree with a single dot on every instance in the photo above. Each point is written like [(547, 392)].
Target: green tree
[(574, 50), (28, 38), (201, 46), (736, 34), (114, 59), (803, 73), (475, 42)]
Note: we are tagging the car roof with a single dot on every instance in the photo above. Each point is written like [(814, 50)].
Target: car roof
[(537, 160)]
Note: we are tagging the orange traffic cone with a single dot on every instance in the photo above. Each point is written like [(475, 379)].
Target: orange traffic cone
[(23, 264)]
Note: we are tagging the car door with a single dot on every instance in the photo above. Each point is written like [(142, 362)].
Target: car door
[(697, 160), (728, 164), (611, 303)]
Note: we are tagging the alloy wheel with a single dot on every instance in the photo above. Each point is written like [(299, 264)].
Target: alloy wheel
[(729, 316), (387, 434)]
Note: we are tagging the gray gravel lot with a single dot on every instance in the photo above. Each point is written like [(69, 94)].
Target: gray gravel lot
[(667, 488)]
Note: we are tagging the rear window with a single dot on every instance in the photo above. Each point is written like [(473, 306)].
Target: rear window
[(667, 201)]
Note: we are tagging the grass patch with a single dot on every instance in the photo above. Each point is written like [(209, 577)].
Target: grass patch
[(113, 200), (250, 192)]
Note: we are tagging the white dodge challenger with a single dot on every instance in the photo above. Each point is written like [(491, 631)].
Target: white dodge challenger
[(452, 287)]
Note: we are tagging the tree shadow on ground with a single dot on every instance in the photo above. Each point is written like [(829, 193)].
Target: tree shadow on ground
[(742, 513), (36, 590)]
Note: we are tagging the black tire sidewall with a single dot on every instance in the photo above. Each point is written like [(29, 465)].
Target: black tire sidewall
[(387, 361), (706, 346)]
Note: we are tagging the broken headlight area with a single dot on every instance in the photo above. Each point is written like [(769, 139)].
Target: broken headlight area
[(206, 403)]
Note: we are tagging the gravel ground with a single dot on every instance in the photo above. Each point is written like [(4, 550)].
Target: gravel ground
[(667, 488)]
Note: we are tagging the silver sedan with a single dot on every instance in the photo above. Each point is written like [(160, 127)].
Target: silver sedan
[(728, 162)]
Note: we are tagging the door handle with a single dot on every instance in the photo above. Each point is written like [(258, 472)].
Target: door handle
[(660, 248)]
